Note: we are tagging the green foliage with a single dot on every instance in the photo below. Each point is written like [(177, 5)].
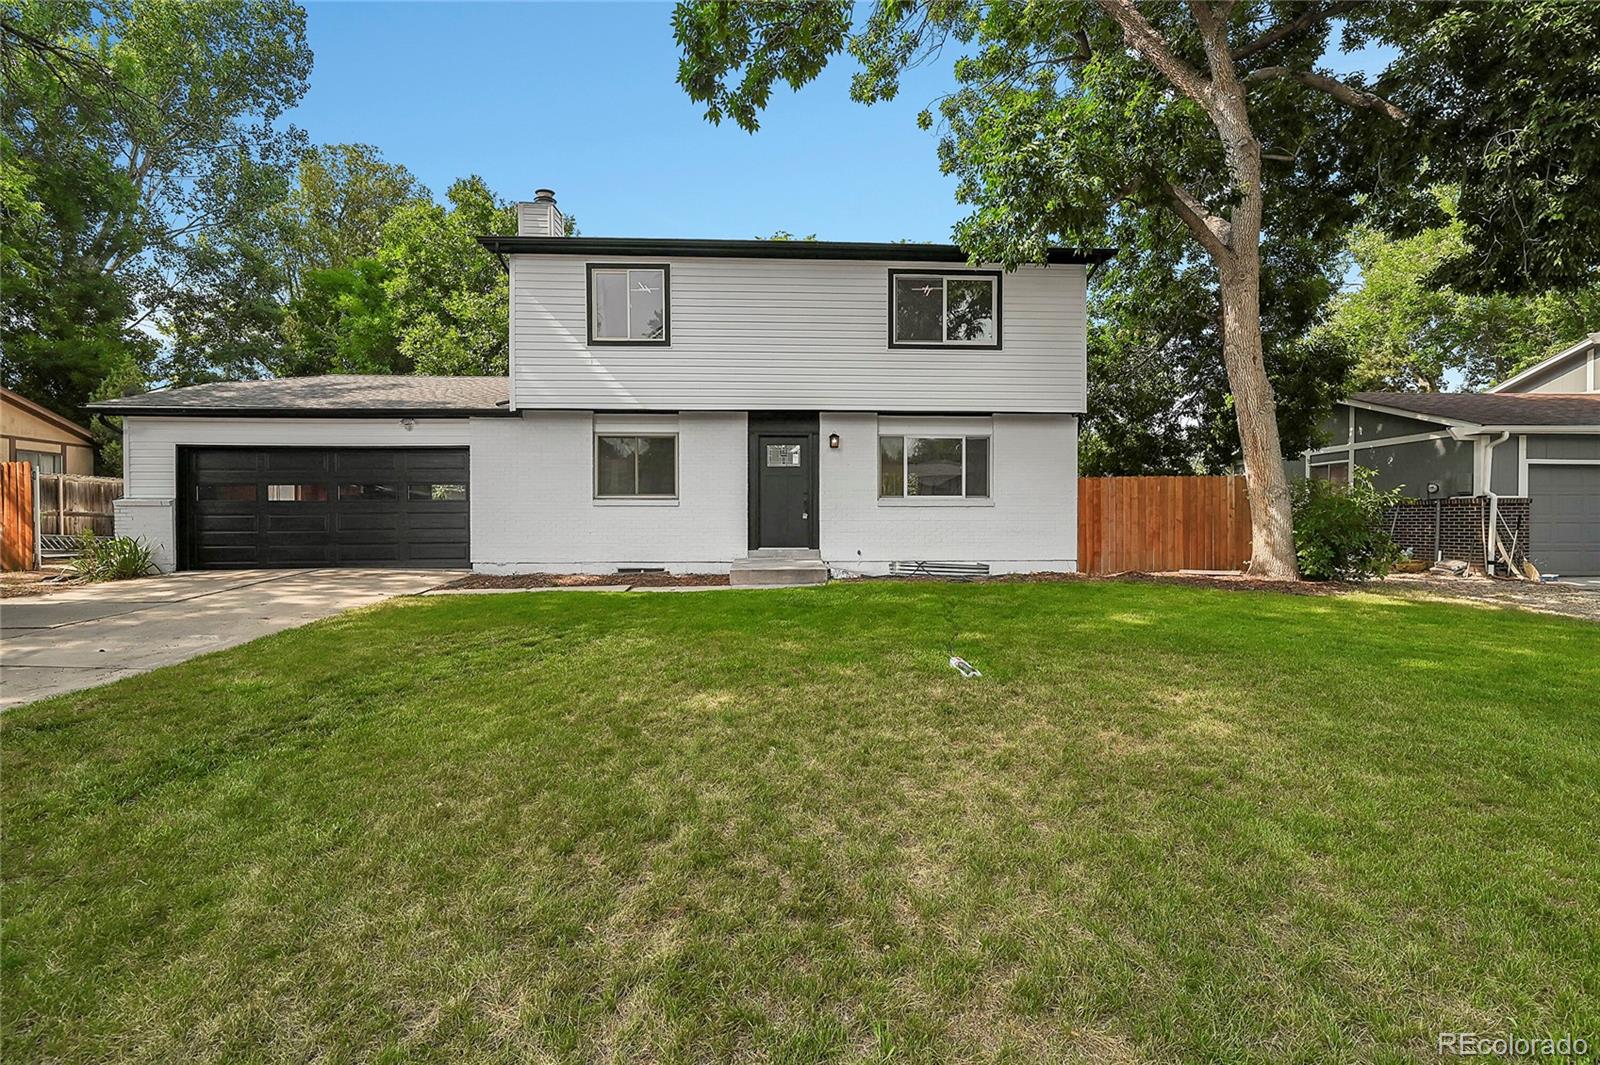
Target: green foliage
[(111, 558), (343, 196), (143, 147), (1409, 333), (340, 322), (1505, 99), (448, 299), (1338, 529), (1159, 397)]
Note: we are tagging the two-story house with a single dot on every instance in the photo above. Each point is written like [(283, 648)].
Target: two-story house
[(689, 405)]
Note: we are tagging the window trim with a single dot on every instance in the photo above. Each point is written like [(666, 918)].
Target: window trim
[(666, 304), (946, 276), (38, 467), (599, 434), (905, 498)]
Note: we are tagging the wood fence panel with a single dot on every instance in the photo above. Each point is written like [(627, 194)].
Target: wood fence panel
[(1160, 524), (17, 547), (69, 504)]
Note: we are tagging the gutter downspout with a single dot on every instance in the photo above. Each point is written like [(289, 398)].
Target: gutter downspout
[(1493, 540)]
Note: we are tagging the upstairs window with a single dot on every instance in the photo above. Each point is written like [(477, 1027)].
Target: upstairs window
[(925, 466), (931, 310), (629, 304)]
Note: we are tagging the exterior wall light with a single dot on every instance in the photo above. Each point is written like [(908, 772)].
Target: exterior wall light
[(833, 441)]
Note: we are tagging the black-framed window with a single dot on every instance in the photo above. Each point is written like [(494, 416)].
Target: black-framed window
[(429, 492), (955, 467), (630, 303), (933, 309), (636, 466)]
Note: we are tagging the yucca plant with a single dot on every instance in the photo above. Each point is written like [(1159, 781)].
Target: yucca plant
[(111, 558)]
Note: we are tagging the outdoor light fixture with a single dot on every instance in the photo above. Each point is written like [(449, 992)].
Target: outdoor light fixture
[(833, 441), (408, 424)]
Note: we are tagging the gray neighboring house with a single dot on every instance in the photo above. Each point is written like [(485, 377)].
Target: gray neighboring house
[(1534, 436)]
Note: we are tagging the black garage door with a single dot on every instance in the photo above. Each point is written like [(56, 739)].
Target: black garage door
[(247, 507)]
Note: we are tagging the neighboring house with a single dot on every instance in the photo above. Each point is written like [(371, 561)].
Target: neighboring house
[(33, 433), (1535, 436), (677, 404)]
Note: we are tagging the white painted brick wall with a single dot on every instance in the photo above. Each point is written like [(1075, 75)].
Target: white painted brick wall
[(153, 521), (533, 505), (1029, 524)]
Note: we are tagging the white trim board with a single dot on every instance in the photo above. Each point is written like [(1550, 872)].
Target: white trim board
[(1413, 438), (1588, 342)]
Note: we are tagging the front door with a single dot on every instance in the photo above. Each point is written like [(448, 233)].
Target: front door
[(783, 489)]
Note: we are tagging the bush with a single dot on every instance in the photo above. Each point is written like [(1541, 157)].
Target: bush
[(1338, 529), (111, 558)]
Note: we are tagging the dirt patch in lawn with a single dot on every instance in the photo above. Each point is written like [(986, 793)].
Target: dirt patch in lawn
[(590, 580)]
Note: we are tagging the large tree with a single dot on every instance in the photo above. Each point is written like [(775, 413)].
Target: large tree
[(1072, 115), (1412, 333), (449, 300), (145, 146)]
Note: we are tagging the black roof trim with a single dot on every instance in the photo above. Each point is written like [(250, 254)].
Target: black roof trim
[(654, 247)]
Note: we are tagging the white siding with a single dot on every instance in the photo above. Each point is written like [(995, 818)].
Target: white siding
[(775, 334), (1030, 521), (533, 505), (150, 445)]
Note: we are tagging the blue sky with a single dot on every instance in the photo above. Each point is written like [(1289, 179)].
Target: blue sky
[(583, 98)]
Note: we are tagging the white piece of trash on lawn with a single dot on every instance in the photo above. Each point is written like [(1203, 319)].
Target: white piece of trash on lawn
[(965, 668)]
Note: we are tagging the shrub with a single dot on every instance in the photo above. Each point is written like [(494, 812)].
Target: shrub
[(1338, 529), (111, 558)]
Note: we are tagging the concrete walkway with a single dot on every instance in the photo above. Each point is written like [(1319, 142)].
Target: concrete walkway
[(89, 635)]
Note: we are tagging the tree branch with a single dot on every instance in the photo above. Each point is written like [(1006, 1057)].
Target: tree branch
[(1283, 31), (1143, 38), (1348, 95), (1212, 231)]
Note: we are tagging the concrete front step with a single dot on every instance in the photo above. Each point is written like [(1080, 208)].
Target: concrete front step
[(758, 572)]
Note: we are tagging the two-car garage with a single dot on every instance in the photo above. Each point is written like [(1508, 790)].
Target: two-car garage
[(242, 507)]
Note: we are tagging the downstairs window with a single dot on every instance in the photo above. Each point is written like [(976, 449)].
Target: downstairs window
[(635, 466), (933, 466)]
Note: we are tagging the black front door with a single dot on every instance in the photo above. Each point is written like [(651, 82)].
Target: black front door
[(784, 490)]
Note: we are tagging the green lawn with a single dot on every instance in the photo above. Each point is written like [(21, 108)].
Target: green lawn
[(1167, 823)]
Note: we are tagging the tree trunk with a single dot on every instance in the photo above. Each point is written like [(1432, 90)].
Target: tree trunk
[(1272, 554), (1271, 523)]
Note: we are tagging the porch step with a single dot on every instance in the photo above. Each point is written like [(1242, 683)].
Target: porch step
[(777, 567)]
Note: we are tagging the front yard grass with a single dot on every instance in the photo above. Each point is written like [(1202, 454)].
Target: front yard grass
[(1167, 823)]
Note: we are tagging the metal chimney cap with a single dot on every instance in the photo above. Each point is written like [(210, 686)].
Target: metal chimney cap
[(544, 195)]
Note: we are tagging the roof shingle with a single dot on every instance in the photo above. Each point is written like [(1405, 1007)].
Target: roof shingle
[(1499, 408), (330, 394)]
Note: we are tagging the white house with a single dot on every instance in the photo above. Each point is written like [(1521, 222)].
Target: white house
[(680, 404)]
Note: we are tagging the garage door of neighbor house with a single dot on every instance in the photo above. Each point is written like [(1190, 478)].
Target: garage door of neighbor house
[(1564, 533), (272, 507)]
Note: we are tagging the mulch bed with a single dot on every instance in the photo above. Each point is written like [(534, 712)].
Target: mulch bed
[(589, 580)]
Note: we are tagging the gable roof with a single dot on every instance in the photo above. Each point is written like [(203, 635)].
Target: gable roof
[(38, 410), (761, 249), (345, 395), (1581, 347), (1489, 408)]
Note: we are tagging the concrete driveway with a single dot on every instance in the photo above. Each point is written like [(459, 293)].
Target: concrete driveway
[(84, 636)]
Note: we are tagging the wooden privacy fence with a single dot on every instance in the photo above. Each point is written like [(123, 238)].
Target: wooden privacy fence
[(70, 504), (1158, 524), (17, 544)]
